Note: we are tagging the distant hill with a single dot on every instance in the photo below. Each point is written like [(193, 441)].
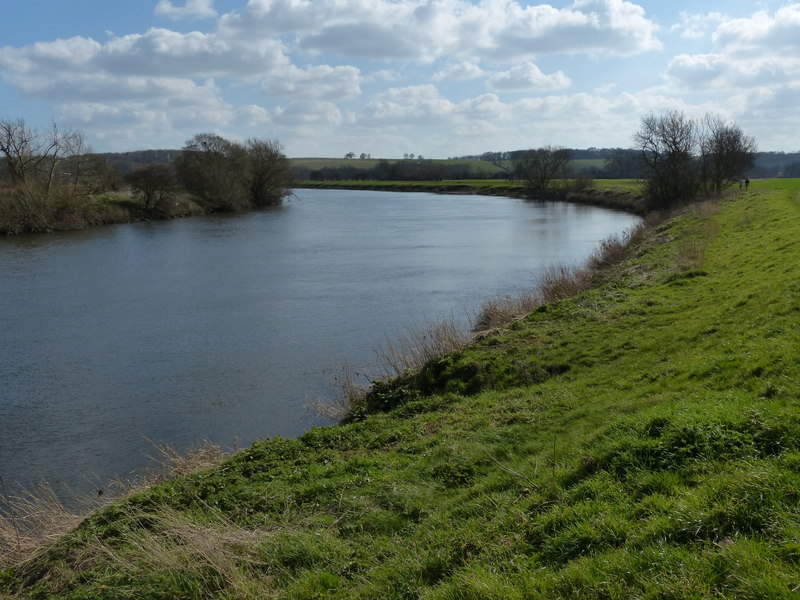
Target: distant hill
[(127, 162)]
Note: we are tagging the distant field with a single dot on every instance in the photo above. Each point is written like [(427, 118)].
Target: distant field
[(370, 163)]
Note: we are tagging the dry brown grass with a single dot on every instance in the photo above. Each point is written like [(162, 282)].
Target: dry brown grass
[(405, 354), (30, 521), (412, 351), (560, 282), (351, 388), (215, 554), (34, 519), (505, 309)]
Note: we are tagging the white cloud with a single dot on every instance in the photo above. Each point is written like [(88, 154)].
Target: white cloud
[(459, 72), (308, 69), (320, 82), (762, 50), (56, 56), (598, 27), (696, 26), (311, 115), (487, 108), (527, 77), (156, 53), (192, 9), (252, 115), (424, 31), (418, 104), (697, 70), (762, 32)]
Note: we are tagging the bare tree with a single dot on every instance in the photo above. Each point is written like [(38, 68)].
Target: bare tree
[(230, 176), (683, 157), (32, 158), (155, 184), (44, 172), (726, 153), (667, 145), (214, 169), (270, 173), (538, 168)]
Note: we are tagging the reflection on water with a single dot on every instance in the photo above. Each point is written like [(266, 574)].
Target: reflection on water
[(222, 328)]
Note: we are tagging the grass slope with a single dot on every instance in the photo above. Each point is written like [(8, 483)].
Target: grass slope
[(641, 440)]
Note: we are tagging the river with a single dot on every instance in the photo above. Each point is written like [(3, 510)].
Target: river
[(222, 328)]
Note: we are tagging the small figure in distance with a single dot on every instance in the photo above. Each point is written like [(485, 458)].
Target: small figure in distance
[(740, 183), (746, 184)]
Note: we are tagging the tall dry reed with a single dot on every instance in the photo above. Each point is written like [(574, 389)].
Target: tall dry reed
[(33, 519)]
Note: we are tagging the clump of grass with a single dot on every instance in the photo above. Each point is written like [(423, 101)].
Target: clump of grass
[(505, 309), (179, 554), (34, 519), (31, 521), (413, 350), (352, 388), (691, 254), (559, 283), (407, 353), (171, 463)]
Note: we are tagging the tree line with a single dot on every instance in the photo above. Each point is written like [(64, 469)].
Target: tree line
[(50, 179), (405, 170), (677, 159)]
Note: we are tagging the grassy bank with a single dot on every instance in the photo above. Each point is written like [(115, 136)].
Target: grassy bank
[(639, 440), (125, 207), (70, 214)]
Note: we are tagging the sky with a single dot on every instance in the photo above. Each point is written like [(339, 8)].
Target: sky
[(436, 78)]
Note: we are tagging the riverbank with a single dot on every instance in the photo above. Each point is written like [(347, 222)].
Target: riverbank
[(617, 194), (114, 208), (123, 207), (640, 439)]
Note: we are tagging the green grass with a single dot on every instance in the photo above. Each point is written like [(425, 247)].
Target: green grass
[(641, 440)]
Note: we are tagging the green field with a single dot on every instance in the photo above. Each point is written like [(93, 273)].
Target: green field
[(638, 440)]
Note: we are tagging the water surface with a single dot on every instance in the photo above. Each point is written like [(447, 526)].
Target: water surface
[(221, 328)]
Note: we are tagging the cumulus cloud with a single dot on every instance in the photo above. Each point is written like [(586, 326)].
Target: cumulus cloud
[(423, 31), (487, 107), (192, 9), (600, 27), (321, 82), (156, 53), (415, 104), (696, 26), (761, 50), (777, 33), (527, 77), (459, 72), (325, 65), (309, 114)]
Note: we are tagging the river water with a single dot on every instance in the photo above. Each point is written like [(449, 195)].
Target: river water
[(222, 328)]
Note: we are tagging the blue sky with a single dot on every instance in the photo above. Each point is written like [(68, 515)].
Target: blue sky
[(389, 77)]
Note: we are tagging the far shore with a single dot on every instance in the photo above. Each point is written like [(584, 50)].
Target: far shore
[(120, 207)]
